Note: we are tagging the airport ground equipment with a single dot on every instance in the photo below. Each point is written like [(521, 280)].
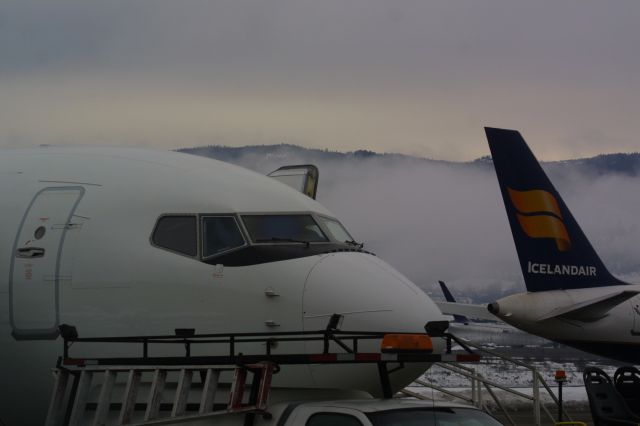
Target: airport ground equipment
[(608, 407), (627, 382), (84, 386)]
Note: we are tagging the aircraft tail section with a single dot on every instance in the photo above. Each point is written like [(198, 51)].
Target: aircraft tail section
[(554, 253), (449, 298), (445, 290)]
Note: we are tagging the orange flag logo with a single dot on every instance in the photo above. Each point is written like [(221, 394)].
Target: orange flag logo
[(539, 216)]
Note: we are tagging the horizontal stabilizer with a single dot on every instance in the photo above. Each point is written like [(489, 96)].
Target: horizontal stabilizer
[(466, 309), (591, 310)]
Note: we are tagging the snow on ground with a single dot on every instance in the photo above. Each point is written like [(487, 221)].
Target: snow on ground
[(516, 377), (571, 395), (511, 375)]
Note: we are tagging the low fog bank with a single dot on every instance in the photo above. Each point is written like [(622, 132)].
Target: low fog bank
[(446, 221)]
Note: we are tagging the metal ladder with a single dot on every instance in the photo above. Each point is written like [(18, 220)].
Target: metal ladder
[(70, 403)]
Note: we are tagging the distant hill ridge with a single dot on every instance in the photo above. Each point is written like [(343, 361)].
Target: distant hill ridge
[(231, 152), (622, 163)]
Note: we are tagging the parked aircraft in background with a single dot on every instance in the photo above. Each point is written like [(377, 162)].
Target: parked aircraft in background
[(462, 312), (122, 242), (460, 318), (571, 296), (483, 331)]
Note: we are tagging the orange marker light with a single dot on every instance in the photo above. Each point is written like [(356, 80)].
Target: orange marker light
[(561, 376), (406, 343)]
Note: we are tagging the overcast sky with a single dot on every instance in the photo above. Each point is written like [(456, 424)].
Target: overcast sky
[(410, 76)]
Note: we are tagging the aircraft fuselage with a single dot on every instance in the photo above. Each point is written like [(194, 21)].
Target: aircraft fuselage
[(556, 315), (129, 242)]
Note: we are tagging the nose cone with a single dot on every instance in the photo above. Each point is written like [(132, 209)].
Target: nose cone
[(369, 293), (371, 296), (514, 310)]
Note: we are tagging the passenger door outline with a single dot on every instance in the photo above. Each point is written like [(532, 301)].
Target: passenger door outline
[(23, 296)]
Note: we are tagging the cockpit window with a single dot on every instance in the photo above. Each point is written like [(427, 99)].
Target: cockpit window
[(220, 234), (283, 228), (336, 230), (177, 233)]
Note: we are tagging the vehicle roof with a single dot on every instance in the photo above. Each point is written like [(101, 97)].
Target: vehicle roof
[(373, 405)]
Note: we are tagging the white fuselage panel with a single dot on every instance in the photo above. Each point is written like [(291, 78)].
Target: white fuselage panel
[(96, 268)]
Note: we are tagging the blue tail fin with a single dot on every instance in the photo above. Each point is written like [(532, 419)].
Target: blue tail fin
[(449, 298), (554, 253), (447, 294)]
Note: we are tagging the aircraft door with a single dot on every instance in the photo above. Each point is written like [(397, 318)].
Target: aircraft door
[(34, 277)]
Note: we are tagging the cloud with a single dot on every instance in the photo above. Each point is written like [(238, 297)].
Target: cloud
[(408, 76), (446, 221)]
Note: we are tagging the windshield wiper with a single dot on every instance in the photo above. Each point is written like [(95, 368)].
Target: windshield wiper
[(285, 240), (355, 243)]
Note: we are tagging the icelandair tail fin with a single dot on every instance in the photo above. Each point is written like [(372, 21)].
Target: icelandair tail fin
[(554, 253), (449, 298)]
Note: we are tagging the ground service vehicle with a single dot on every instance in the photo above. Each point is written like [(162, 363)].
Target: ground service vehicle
[(377, 412)]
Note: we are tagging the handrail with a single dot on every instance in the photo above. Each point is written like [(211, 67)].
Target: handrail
[(345, 355), (233, 339), (445, 391), (533, 370), (487, 381), (499, 404), (470, 374), (347, 341)]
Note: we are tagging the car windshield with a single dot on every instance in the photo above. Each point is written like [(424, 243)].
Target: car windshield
[(433, 417), (283, 228)]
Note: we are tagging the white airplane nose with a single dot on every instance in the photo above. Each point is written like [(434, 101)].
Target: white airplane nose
[(368, 293), (371, 296)]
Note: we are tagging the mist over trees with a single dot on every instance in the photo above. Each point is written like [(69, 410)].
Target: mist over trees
[(437, 220)]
